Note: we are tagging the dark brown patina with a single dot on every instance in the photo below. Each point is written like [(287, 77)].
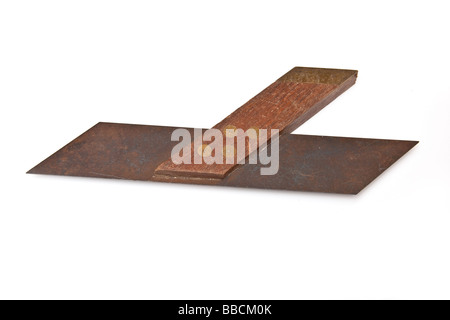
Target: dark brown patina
[(307, 163)]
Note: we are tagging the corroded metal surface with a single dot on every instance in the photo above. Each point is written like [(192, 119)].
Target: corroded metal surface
[(284, 105), (307, 163)]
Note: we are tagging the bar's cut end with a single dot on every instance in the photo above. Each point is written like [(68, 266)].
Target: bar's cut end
[(319, 75)]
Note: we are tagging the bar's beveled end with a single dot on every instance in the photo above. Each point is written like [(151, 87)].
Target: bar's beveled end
[(318, 75)]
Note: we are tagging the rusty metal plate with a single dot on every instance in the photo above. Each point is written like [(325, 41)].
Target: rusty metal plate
[(307, 163)]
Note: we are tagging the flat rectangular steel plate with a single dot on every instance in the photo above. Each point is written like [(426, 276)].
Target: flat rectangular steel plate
[(307, 163)]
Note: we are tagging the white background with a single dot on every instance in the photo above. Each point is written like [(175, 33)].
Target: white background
[(66, 65)]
